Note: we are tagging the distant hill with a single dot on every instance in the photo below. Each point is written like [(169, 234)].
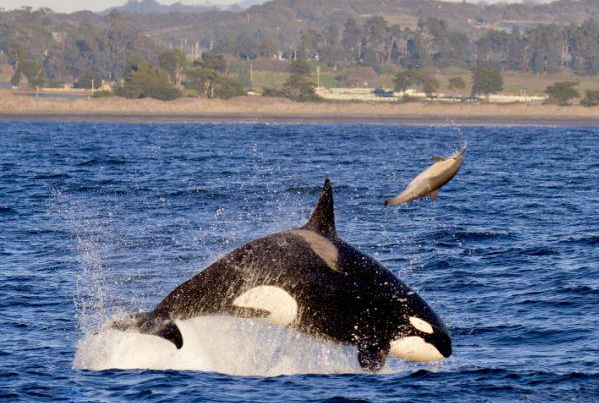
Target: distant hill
[(381, 34), (285, 20), (153, 6)]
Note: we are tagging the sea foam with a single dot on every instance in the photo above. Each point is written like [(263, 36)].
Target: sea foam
[(218, 344)]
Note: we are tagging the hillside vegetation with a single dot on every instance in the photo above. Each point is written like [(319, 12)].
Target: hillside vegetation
[(352, 42)]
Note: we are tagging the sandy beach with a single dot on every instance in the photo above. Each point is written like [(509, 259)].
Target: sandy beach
[(263, 109)]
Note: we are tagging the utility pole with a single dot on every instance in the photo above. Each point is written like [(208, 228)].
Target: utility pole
[(92, 87), (251, 76), (317, 77)]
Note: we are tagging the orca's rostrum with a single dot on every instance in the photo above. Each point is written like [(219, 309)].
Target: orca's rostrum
[(308, 279)]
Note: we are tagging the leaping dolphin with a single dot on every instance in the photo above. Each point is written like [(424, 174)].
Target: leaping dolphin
[(429, 181), (308, 279)]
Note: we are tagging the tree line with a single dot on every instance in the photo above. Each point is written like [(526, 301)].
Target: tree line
[(47, 53), (376, 43)]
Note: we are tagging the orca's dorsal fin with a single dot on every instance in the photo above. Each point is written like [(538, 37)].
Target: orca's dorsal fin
[(437, 158), (322, 220)]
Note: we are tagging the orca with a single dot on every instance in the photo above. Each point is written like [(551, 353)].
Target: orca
[(308, 279)]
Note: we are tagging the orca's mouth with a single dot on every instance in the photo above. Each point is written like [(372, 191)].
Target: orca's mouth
[(441, 341)]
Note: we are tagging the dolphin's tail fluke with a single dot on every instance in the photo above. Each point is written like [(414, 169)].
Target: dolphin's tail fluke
[(150, 323)]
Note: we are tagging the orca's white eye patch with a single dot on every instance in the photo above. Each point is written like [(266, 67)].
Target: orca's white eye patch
[(414, 348), (421, 325)]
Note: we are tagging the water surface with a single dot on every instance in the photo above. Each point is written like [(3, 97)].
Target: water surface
[(97, 219)]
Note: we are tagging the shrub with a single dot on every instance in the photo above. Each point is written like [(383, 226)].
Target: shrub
[(430, 86), (299, 85), (103, 94), (148, 83), (227, 87), (486, 81), (562, 92), (457, 82), (591, 98)]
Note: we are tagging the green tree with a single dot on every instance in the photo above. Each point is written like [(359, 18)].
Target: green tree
[(402, 81), (331, 52), (562, 93), (457, 82), (173, 62), (486, 81), (16, 77), (430, 86), (591, 98), (89, 79), (300, 67), (225, 44), (34, 72), (202, 80), (309, 44), (405, 79), (142, 81), (16, 54), (267, 47), (351, 39), (227, 87), (299, 85), (212, 84), (247, 47), (417, 56), (212, 61), (374, 32)]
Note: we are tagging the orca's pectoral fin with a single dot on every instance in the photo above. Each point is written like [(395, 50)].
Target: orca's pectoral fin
[(435, 195), (150, 323), (372, 357), (169, 331)]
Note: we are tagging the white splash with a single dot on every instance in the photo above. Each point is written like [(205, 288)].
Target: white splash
[(218, 344)]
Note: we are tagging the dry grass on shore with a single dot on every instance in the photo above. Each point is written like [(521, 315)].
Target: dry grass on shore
[(278, 108)]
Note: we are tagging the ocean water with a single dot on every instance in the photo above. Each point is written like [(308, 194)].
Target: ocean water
[(97, 220)]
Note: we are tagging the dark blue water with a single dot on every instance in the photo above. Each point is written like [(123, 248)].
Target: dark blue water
[(97, 219)]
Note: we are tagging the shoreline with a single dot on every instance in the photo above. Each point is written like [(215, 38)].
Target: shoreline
[(281, 110), (406, 120)]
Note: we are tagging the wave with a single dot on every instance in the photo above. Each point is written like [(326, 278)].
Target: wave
[(584, 240), (55, 175), (497, 374), (5, 210), (103, 161), (468, 236), (315, 189)]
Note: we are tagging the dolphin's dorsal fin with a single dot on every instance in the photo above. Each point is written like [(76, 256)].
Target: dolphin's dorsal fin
[(322, 220), (436, 158)]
